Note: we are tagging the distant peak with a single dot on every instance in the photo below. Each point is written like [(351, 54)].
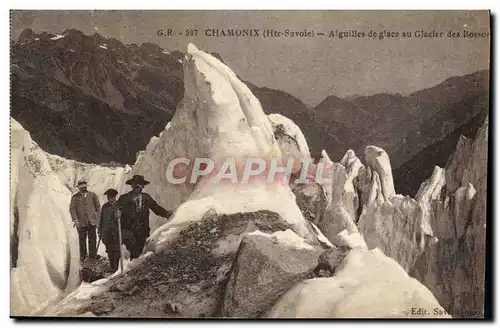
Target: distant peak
[(72, 31), (27, 34), (328, 101), (97, 36), (150, 46)]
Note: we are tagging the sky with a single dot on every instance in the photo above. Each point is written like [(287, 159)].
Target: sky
[(308, 68)]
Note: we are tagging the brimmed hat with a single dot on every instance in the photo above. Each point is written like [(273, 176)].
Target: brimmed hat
[(111, 192), (81, 182), (137, 179)]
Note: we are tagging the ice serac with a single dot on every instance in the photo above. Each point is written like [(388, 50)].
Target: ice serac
[(438, 237), (218, 118), (394, 223), (45, 269), (378, 160), (44, 249), (365, 209), (454, 267), (290, 138), (99, 178), (342, 210)]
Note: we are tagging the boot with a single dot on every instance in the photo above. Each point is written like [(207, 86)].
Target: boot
[(114, 259)]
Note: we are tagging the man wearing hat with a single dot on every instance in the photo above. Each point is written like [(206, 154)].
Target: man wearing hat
[(135, 206), (108, 228), (84, 209)]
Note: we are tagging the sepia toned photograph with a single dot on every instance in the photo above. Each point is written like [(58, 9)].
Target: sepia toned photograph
[(230, 164)]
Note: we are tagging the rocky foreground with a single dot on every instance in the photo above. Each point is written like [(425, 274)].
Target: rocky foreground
[(352, 248)]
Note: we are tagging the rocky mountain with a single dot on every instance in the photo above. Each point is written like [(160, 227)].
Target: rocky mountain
[(405, 126), (201, 262), (98, 100)]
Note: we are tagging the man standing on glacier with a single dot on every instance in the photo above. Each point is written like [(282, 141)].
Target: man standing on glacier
[(84, 209), (108, 228), (135, 206)]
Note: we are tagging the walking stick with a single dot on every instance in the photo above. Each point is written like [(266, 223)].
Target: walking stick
[(120, 240)]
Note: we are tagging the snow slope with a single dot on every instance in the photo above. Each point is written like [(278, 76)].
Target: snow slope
[(367, 284)]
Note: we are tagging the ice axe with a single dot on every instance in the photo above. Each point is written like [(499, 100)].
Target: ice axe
[(118, 214)]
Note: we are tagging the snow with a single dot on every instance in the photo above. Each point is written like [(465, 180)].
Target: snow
[(350, 239), (57, 37), (41, 202), (321, 237), (74, 300), (287, 238), (290, 239), (166, 52), (104, 46), (367, 284), (292, 130), (429, 191), (36, 39), (41, 188), (352, 164), (431, 188), (378, 160)]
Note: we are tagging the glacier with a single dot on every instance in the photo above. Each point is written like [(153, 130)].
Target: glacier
[(377, 230)]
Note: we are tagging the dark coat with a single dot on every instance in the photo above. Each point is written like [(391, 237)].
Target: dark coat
[(85, 210), (135, 219), (108, 225)]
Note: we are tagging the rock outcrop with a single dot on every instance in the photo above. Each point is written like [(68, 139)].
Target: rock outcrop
[(266, 266), (186, 279)]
